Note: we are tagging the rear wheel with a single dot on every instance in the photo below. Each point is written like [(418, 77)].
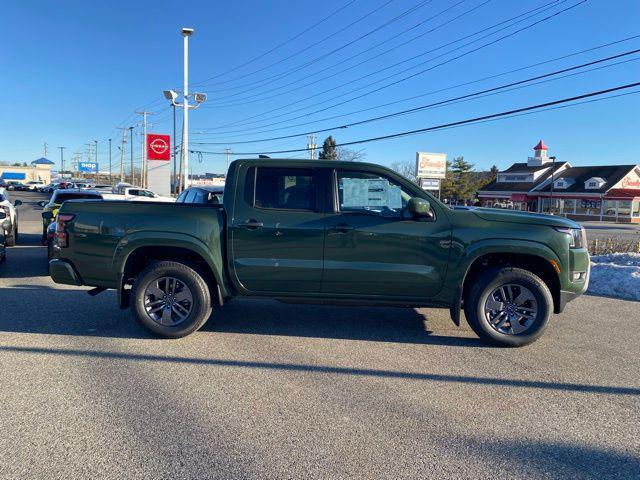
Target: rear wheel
[(11, 240), (508, 306), (171, 299)]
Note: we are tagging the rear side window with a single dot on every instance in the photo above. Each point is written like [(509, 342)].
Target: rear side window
[(283, 188), (191, 196), (182, 196), (63, 197)]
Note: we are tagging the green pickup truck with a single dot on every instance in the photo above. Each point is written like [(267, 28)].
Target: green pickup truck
[(326, 232)]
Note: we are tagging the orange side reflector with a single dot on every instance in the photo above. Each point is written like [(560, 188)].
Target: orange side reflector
[(556, 267)]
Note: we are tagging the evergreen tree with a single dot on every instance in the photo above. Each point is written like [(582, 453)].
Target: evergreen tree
[(494, 172), (329, 151), (461, 176)]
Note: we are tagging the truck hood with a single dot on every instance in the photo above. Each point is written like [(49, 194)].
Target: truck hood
[(515, 216)]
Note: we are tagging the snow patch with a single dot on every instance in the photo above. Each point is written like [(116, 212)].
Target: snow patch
[(615, 275)]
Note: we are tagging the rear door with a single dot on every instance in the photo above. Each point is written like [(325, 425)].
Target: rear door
[(374, 247), (277, 230)]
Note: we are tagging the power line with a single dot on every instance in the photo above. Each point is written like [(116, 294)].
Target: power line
[(442, 102), (492, 42), (333, 66), (402, 100), (262, 82), (298, 52), (452, 124), (280, 45)]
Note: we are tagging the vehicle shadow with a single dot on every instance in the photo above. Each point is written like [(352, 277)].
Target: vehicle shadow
[(375, 324), (73, 312)]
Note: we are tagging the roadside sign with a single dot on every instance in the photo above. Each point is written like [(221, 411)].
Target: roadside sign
[(430, 183), (88, 167), (431, 165), (158, 147)]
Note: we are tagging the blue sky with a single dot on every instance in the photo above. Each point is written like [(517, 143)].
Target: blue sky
[(73, 71)]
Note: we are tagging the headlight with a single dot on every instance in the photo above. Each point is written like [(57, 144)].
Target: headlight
[(577, 237)]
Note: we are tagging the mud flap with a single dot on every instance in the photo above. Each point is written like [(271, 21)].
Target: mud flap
[(454, 309)]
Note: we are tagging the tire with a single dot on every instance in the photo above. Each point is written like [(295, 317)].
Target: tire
[(154, 278), (10, 240), (518, 283)]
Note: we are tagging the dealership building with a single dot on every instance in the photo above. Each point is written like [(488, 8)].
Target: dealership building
[(39, 169), (541, 184)]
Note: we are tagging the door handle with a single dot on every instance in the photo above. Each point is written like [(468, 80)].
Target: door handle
[(251, 224), (342, 227)]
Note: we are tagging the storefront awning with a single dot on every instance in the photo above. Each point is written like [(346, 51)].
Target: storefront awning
[(622, 194)]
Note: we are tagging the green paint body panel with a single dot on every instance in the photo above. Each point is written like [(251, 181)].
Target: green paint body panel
[(298, 254)]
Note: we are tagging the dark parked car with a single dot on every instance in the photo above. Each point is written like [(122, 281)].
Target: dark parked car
[(51, 241), (3, 252), (202, 194)]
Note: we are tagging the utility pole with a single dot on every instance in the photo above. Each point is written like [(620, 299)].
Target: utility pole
[(133, 176), (228, 152), (124, 140), (109, 161), (186, 33), (61, 159), (143, 174), (46, 149), (311, 145)]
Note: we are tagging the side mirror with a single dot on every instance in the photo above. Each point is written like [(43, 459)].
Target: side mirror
[(17, 203), (47, 215), (419, 207), (41, 203)]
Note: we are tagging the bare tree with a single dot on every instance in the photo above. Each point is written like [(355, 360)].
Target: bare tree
[(348, 155), (406, 169)]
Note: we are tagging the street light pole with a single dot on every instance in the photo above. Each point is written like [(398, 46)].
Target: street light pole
[(553, 172), (175, 187), (186, 33)]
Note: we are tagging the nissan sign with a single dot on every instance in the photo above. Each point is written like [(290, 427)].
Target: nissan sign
[(158, 147)]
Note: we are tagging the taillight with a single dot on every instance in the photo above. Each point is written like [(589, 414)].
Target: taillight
[(61, 229)]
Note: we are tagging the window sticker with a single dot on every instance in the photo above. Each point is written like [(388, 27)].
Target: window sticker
[(368, 192)]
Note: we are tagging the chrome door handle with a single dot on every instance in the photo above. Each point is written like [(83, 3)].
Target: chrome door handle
[(251, 224)]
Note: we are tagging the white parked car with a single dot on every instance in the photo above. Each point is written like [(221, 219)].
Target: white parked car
[(34, 185), (137, 194), (10, 226)]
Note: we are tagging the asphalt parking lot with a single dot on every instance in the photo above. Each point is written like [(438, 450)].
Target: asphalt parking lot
[(271, 391)]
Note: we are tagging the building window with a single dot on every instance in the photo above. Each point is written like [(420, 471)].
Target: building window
[(624, 208), (569, 207), (610, 207), (636, 208), (588, 207)]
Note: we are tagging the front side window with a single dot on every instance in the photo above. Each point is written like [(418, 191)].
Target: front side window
[(283, 188), (370, 193), (191, 196)]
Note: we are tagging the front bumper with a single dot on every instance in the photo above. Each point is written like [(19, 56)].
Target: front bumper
[(63, 272)]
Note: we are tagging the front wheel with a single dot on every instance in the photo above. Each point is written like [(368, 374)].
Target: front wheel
[(171, 299), (508, 306)]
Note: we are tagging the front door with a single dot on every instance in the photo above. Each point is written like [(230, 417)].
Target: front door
[(373, 247), (277, 231)]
